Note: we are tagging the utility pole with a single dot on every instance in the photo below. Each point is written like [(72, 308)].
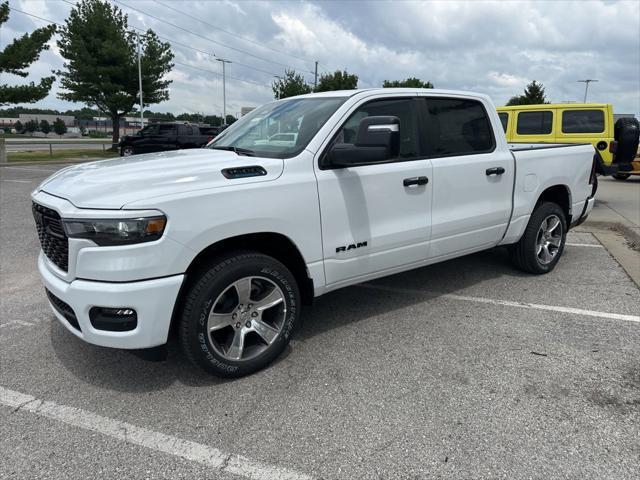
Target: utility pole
[(279, 78), (586, 86), (224, 89), (140, 84), (315, 77)]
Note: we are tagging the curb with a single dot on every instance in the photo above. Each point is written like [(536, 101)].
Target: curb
[(631, 233)]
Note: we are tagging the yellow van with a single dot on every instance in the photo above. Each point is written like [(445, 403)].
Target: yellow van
[(616, 144)]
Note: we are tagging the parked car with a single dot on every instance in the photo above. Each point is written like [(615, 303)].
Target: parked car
[(159, 137), (616, 143), (225, 244)]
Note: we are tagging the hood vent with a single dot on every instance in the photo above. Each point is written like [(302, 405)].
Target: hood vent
[(244, 172)]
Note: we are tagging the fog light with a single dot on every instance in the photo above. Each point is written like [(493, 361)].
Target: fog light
[(113, 319)]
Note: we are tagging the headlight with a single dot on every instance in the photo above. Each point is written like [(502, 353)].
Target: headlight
[(116, 231)]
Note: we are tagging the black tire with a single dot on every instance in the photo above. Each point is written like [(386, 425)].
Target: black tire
[(627, 134), (621, 176), (524, 254), (201, 347), (127, 151)]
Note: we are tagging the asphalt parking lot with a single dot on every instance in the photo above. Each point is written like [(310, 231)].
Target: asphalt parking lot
[(465, 369)]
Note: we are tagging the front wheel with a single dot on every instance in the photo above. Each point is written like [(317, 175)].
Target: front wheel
[(542, 243), (621, 176), (127, 151), (239, 314)]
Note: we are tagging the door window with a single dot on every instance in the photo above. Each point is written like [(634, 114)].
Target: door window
[(403, 108), (583, 121), (535, 123), (458, 127)]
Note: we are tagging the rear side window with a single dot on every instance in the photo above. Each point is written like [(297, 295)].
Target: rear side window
[(583, 121), (458, 127), (504, 120), (535, 123)]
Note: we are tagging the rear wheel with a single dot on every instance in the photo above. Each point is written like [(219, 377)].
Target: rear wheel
[(239, 314), (542, 243), (621, 176)]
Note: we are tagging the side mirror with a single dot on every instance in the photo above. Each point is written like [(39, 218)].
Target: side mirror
[(377, 140)]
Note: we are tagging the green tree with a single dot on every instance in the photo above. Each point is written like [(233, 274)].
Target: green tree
[(16, 58), (59, 127), (337, 81), (533, 95), (18, 126), (101, 67), (31, 126), (45, 127), (290, 85), (411, 82)]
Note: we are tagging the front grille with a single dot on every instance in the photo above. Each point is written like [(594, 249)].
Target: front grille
[(53, 239), (64, 309)]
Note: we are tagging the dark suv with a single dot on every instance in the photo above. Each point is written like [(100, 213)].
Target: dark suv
[(159, 137)]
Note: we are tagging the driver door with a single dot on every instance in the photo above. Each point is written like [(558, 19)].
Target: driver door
[(376, 218)]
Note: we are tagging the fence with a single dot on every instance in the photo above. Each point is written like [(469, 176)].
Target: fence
[(24, 147)]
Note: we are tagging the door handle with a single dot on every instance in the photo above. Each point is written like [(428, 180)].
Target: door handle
[(408, 182), (494, 171)]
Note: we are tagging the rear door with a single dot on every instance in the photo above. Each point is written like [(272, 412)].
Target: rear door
[(472, 178), (376, 217)]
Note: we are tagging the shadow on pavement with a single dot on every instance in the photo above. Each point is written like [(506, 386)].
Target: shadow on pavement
[(127, 371)]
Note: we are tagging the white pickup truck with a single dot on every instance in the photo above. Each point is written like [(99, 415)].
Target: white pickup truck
[(225, 244)]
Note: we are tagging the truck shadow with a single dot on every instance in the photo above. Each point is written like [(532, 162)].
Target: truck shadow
[(125, 371)]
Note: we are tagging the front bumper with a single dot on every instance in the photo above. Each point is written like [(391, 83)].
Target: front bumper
[(153, 300)]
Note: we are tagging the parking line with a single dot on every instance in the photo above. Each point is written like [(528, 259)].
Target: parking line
[(196, 452), (593, 245), (507, 303)]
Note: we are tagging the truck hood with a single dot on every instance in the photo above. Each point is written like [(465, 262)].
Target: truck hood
[(115, 183)]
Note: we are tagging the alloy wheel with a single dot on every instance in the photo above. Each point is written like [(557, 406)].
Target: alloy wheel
[(246, 318), (549, 239)]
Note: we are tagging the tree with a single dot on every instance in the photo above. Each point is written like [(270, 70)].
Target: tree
[(18, 126), (337, 81), (290, 85), (533, 95), (45, 127), (411, 82), (59, 127), (30, 127), (101, 66), (16, 58)]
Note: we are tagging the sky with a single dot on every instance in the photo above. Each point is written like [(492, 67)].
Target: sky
[(493, 47)]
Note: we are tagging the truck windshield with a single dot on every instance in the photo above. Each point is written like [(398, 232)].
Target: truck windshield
[(279, 129)]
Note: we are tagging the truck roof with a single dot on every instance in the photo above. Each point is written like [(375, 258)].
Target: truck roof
[(351, 93)]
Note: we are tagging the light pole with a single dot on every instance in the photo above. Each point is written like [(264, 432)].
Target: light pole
[(224, 89), (586, 86), (140, 83)]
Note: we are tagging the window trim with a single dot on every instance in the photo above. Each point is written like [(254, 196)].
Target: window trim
[(541, 110), (604, 121), (484, 109), (322, 159)]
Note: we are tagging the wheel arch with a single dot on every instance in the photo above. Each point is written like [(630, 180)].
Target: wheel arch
[(559, 194), (276, 245)]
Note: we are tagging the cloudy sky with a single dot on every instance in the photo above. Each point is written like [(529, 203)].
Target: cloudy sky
[(485, 46)]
